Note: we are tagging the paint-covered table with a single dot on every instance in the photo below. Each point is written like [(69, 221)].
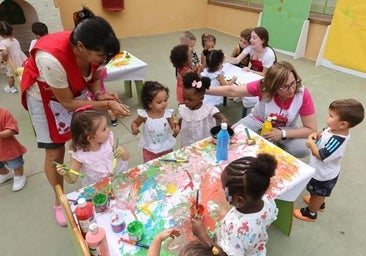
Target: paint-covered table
[(164, 191), (128, 68)]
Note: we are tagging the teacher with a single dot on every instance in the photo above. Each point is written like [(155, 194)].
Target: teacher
[(61, 68), (285, 100)]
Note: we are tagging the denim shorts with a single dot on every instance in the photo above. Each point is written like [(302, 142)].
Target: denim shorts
[(321, 188), (13, 163)]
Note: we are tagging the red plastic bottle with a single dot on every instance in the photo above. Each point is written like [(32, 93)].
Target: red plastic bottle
[(97, 241), (85, 215)]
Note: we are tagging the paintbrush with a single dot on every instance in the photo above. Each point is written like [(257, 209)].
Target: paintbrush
[(115, 158), (197, 199), (250, 141), (71, 170), (174, 160), (134, 243)]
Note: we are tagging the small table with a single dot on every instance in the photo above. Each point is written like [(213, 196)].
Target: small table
[(134, 70), (164, 191)]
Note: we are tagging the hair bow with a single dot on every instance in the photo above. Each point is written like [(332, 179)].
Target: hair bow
[(196, 84), (86, 107)]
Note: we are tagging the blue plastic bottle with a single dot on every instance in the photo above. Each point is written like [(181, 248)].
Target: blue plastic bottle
[(222, 146)]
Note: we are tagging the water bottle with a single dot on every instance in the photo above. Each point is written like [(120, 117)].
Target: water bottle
[(222, 146), (97, 241), (267, 126)]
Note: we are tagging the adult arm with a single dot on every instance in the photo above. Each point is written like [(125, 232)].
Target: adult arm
[(229, 91)]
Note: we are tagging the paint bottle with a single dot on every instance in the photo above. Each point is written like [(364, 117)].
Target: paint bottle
[(85, 215), (223, 139), (267, 126), (97, 241)]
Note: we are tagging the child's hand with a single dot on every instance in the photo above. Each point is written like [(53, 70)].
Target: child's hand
[(170, 232), (233, 80), (61, 169), (225, 120), (197, 227), (121, 153), (246, 68), (176, 129), (134, 128)]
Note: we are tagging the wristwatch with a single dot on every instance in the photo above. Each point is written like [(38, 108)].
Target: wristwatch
[(284, 134)]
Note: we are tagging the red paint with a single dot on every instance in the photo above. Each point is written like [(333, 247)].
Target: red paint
[(85, 215)]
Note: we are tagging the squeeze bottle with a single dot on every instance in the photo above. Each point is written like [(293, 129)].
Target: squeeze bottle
[(222, 146), (97, 241), (85, 215), (267, 126)]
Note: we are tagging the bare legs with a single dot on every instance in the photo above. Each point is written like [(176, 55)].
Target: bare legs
[(315, 203)]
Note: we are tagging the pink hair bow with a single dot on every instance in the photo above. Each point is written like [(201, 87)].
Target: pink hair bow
[(86, 107), (197, 84)]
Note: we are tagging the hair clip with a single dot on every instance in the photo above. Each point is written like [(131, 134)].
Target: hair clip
[(215, 250), (83, 108), (196, 84)]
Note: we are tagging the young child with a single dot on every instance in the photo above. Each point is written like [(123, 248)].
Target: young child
[(327, 148), (197, 118), (180, 57), (11, 52), (39, 30), (91, 96), (160, 130), (193, 248), (189, 39), (93, 150), (11, 151), (244, 41), (213, 70), (243, 231), (208, 44)]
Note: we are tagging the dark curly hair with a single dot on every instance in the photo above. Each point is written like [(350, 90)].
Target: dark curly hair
[(190, 77), (179, 56), (149, 91), (250, 175)]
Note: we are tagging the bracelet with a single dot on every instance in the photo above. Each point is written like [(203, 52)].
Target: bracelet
[(284, 134)]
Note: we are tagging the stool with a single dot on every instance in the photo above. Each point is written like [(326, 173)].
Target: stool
[(128, 89)]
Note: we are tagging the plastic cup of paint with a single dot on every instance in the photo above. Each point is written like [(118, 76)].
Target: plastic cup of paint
[(118, 223), (134, 230), (197, 213), (100, 201)]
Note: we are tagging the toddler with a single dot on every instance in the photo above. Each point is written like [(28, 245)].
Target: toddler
[(39, 30), (213, 70), (327, 148), (244, 41), (243, 231), (208, 44), (197, 118), (159, 131), (189, 39), (11, 151), (93, 151), (11, 52)]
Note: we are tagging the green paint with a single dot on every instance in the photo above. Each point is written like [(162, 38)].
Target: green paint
[(100, 199), (151, 172), (135, 229)]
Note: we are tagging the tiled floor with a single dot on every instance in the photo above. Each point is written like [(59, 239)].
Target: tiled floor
[(27, 225)]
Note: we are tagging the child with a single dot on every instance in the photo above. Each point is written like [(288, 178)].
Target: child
[(327, 148), (11, 152), (39, 30), (11, 52), (189, 39), (213, 70), (160, 130), (243, 229), (181, 57), (102, 76), (197, 118), (208, 44), (193, 248), (244, 41), (93, 148)]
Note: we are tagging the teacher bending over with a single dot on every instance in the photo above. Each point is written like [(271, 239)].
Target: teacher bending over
[(61, 68), (282, 97)]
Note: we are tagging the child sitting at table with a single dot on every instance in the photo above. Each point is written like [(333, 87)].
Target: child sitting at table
[(208, 44), (213, 70), (327, 148), (243, 229), (244, 41), (193, 248), (160, 130), (94, 153), (180, 57), (196, 117)]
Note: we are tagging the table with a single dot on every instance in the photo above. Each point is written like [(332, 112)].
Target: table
[(134, 70), (243, 77), (164, 190)]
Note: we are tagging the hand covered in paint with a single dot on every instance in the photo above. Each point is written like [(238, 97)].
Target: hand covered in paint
[(170, 232), (121, 153), (198, 228), (61, 169)]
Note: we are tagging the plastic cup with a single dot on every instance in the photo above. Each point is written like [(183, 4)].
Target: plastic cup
[(134, 230), (100, 201), (118, 223)]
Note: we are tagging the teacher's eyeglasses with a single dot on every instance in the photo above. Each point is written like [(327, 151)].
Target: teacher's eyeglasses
[(287, 87)]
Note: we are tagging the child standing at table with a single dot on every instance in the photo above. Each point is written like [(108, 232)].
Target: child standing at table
[(11, 152), (208, 44), (327, 148), (243, 231), (39, 30), (213, 70), (181, 57), (93, 150), (197, 118), (160, 130), (11, 52), (189, 39)]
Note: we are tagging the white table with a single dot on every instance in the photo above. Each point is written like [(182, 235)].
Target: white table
[(134, 70)]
